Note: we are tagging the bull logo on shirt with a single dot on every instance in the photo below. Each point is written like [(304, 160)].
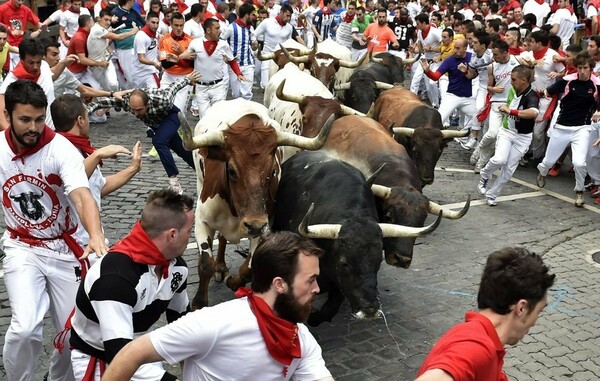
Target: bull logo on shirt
[(15, 24), (30, 204)]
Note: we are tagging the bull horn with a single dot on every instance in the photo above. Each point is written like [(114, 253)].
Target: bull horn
[(371, 179), (264, 56), (403, 131), (447, 134), (350, 111), (188, 134), (383, 85), (313, 50), (374, 59), (311, 144), (411, 60), (371, 110), (381, 191), (288, 97), (296, 60), (353, 64), (451, 214), (329, 231), (342, 86), (399, 231)]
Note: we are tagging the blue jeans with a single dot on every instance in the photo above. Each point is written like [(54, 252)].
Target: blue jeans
[(166, 139)]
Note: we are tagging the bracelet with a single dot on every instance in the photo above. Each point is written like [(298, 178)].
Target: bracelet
[(514, 112)]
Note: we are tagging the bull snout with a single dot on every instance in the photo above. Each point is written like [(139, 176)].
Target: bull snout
[(426, 181), (398, 260), (255, 228), (369, 313)]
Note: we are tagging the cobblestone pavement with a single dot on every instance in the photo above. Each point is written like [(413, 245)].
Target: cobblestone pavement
[(421, 303)]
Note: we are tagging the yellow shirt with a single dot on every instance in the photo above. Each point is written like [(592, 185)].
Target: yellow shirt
[(446, 50), (4, 54)]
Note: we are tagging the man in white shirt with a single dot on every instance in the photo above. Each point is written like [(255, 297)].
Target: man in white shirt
[(540, 11), (193, 26), (275, 31), (430, 39), (69, 22), (563, 22), (281, 296), (146, 67)]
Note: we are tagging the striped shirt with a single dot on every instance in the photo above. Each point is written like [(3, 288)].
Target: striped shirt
[(240, 40)]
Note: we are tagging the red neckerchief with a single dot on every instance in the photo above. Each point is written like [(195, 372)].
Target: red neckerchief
[(146, 29), (20, 72), (140, 248), (219, 16), (72, 10), (571, 69), (485, 14), (540, 53), (466, 7), (241, 23), (540, 2), (210, 46), (177, 38), (326, 11), (426, 32), (280, 335), (181, 5), (278, 19), (81, 142), (348, 18), (104, 4), (515, 51), (570, 9), (166, 21), (45, 138)]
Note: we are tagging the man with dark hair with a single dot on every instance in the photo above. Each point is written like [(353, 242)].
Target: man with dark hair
[(429, 39), (31, 67), (359, 24), (379, 35), (193, 25), (405, 32), (515, 134), (275, 31), (323, 21), (212, 56), (69, 22), (127, 290), (512, 293), (44, 185), (5, 47), (579, 101), (78, 46), (155, 107), (146, 67), (16, 16), (127, 19), (268, 318)]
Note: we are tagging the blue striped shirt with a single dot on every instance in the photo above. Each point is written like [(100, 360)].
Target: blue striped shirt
[(241, 43)]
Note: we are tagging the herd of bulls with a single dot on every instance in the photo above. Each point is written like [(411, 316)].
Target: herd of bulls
[(356, 189)]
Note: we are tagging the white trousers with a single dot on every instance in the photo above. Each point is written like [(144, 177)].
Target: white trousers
[(147, 372), (85, 77), (209, 95), (538, 145), (125, 58), (453, 102), (487, 143), (593, 156), (433, 92), (480, 104), (147, 81), (182, 96), (443, 85), (36, 284), (510, 148), (560, 138), (100, 75), (239, 88)]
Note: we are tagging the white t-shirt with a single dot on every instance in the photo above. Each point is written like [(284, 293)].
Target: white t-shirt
[(193, 29), (274, 34), (482, 72), (501, 73), (212, 67), (37, 189), (433, 39), (66, 81), (70, 20), (56, 16), (224, 343), (45, 81), (97, 45), (144, 44), (566, 21), (542, 81), (273, 12), (539, 10)]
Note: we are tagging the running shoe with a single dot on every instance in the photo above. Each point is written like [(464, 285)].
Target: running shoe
[(579, 199), (482, 187)]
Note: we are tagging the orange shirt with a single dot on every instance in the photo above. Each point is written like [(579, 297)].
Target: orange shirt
[(165, 45), (381, 36)]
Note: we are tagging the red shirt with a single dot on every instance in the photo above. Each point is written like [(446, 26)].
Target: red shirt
[(470, 351), (77, 45), (16, 21)]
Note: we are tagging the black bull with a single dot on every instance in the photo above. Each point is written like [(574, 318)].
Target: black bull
[(352, 238), (30, 204)]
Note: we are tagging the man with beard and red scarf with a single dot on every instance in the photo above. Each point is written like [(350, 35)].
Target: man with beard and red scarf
[(31, 67), (262, 332), (16, 16), (125, 292), (44, 190), (146, 67)]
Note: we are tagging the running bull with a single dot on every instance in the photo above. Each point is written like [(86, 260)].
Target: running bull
[(342, 219)]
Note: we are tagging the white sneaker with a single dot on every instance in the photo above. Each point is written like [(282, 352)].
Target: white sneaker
[(470, 144), (482, 187), (175, 185), (491, 201), (461, 141)]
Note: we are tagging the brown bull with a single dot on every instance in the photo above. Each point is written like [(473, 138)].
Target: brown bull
[(422, 132)]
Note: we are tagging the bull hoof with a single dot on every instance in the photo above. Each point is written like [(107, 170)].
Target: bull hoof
[(234, 282), (221, 273)]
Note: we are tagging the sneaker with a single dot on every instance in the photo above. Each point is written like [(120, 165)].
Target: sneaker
[(474, 156), (149, 132), (153, 153), (461, 141), (175, 185), (491, 201), (592, 188), (482, 187), (555, 170), (595, 192), (597, 201), (540, 180), (470, 144), (579, 199), (195, 112)]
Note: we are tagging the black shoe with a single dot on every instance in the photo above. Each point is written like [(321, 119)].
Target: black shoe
[(150, 132)]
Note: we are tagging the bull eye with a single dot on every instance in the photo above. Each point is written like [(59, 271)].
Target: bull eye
[(231, 173)]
